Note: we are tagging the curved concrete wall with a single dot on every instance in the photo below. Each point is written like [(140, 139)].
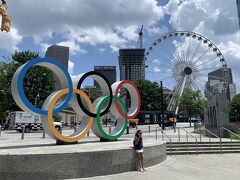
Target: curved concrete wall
[(84, 164)]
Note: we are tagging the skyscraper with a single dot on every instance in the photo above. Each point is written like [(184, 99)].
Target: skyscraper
[(238, 8), (220, 75), (59, 53), (108, 71), (216, 83), (131, 64)]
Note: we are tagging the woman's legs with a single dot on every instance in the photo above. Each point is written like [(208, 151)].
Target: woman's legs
[(139, 161), (141, 157)]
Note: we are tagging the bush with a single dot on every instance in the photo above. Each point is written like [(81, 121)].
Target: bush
[(232, 127)]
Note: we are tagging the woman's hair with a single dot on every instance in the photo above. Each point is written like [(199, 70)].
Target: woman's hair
[(137, 132)]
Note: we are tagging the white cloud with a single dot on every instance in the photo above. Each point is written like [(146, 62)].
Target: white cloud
[(154, 30), (114, 48), (74, 47), (9, 41), (217, 16), (156, 61), (95, 36), (129, 33), (80, 22), (156, 70), (44, 47), (70, 67)]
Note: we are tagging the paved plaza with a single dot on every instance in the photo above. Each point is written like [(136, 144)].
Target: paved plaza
[(10, 141), (191, 167)]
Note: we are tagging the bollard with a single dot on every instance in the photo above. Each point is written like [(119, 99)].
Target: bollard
[(75, 128), (109, 129), (156, 133), (179, 134), (23, 132), (149, 130), (174, 128), (136, 127), (0, 130), (44, 134)]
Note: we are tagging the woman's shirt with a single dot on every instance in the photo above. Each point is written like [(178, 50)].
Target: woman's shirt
[(139, 145)]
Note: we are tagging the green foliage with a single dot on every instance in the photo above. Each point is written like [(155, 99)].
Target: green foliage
[(234, 107), (234, 137), (150, 95), (232, 127), (92, 93), (203, 132), (6, 101), (192, 103), (38, 82), (21, 57)]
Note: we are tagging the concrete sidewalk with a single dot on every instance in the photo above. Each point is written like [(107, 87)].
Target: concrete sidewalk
[(202, 167)]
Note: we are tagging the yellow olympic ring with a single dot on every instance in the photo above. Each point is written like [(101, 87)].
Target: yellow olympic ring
[(54, 131)]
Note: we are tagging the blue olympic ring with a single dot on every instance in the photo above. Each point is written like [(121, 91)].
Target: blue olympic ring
[(22, 95)]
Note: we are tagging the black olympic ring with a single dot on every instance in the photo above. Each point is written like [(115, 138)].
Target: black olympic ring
[(90, 73)]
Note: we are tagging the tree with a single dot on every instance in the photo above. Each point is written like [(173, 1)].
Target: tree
[(38, 82), (150, 95), (234, 107), (192, 103)]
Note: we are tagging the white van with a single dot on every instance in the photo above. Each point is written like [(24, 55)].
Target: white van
[(31, 122)]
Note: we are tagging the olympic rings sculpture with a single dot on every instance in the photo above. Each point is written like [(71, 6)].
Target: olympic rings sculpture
[(70, 95)]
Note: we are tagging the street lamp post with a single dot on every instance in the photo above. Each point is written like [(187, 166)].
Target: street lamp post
[(162, 110)]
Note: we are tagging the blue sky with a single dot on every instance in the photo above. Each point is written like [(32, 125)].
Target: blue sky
[(95, 30)]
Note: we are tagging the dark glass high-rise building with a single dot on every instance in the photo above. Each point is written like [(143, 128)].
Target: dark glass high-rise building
[(131, 64), (108, 71), (220, 75), (217, 81)]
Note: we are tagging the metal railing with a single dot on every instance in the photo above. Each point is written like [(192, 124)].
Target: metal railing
[(210, 132), (216, 136), (163, 133), (225, 129), (187, 133)]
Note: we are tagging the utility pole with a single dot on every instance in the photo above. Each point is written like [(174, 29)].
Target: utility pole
[(162, 110)]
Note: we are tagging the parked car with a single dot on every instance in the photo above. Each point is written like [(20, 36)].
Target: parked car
[(196, 119)]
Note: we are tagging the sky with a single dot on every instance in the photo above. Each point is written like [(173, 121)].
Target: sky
[(95, 30)]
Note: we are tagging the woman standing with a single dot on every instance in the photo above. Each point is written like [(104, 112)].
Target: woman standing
[(138, 145)]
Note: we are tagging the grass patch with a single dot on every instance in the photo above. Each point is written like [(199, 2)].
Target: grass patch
[(232, 136), (203, 132)]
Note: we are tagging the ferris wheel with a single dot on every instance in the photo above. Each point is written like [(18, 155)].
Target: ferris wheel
[(183, 59)]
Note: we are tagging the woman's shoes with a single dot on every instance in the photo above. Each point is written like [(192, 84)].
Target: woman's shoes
[(142, 170)]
